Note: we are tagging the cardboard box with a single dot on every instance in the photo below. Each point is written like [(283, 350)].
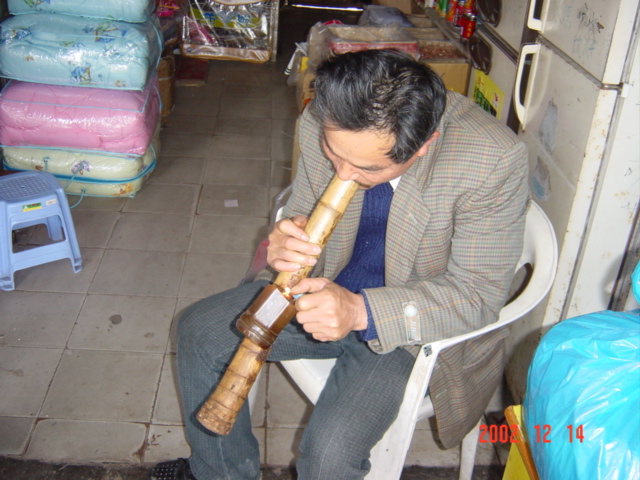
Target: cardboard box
[(446, 59), (405, 6), (454, 74), (167, 82)]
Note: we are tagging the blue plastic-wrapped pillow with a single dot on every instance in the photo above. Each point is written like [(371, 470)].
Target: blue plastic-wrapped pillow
[(124, 10)]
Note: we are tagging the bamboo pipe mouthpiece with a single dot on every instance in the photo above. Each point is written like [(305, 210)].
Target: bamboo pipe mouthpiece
[(267, 316)]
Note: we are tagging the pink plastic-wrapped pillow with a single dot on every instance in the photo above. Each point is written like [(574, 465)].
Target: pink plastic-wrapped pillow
[(86, 118)]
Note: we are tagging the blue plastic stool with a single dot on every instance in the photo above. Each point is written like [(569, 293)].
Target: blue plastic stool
[(32, 198)]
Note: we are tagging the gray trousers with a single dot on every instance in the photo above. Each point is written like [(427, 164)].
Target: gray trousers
[(358, 404)]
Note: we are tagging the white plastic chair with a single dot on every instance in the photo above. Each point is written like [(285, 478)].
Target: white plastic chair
[(540, 251)]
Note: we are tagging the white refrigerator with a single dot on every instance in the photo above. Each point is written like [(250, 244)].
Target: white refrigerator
[(567, 71), (576, 95)]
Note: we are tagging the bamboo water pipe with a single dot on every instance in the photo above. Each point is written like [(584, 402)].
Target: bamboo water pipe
[(267, 316)]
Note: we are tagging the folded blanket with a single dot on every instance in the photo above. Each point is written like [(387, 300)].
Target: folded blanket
[(103, 188), (87, 174), (70, 50), (84, 118), (125, 10), (80, 164)]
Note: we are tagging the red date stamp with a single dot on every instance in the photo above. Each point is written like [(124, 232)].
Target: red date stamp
[(511, 433)]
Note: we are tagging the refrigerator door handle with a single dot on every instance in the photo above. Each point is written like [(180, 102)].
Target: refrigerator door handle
[(532, 22), (521, 106)]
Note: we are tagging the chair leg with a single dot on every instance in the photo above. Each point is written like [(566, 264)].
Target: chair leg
[(468, 452)]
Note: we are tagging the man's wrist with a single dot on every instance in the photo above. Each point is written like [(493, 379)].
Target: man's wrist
[(369, 332), (362, 319)]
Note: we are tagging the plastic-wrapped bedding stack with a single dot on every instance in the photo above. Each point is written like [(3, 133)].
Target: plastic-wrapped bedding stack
[(82, 101)]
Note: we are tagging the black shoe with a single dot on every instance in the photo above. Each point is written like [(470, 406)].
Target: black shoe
[(173, 470)]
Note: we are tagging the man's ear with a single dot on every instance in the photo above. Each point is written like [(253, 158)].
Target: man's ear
[(425, 147)]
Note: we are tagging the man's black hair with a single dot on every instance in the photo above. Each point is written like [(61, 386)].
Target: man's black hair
[(384, 90)]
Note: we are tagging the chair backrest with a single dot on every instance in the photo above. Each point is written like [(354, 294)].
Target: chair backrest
[(540, 251)]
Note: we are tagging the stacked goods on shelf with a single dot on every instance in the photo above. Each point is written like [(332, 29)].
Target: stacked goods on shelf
[(230, 30), (82, 101), (168, 12), (423, 40), (354, 38)]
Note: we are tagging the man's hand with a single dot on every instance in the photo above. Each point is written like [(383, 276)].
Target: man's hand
[(328, 311), (289, 248)]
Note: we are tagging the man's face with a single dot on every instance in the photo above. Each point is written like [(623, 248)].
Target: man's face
[(362, 157)]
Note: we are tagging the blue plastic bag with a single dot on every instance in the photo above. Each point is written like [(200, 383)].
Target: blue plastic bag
[(582, 406)]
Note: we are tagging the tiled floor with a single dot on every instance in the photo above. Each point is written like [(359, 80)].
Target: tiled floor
[(87, 360)]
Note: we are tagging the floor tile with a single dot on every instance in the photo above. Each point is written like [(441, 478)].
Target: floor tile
[(209, 92), (287, 407), (15, 433), (425, 451), (123, 323), (283, 127), (282, 445), (190, 145), (104, 204), (261, 435), (182, 304), (236, 171), (168, 409), (196, 107), (246, 126), (87, 441), (258, 398), (106, 386), (139, 273), (165, 199), (206, 274), (38, 319), (178, 170), (284, 103), (282, 149), (234, 200), (187, 125), (166, 442), (59, 276), (25, 376), (281, 174), (240, 107), (245, 75), (157, 232), (239, 146), (251, 92), (93, 228), (227, 234), (487, 454)]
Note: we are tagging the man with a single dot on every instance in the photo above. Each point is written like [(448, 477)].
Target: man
[(426, 250)]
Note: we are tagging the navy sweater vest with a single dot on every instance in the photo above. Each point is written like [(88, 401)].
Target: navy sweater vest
[(366, 267)]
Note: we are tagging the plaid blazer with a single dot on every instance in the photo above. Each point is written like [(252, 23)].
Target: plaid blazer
[(454, 235)]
